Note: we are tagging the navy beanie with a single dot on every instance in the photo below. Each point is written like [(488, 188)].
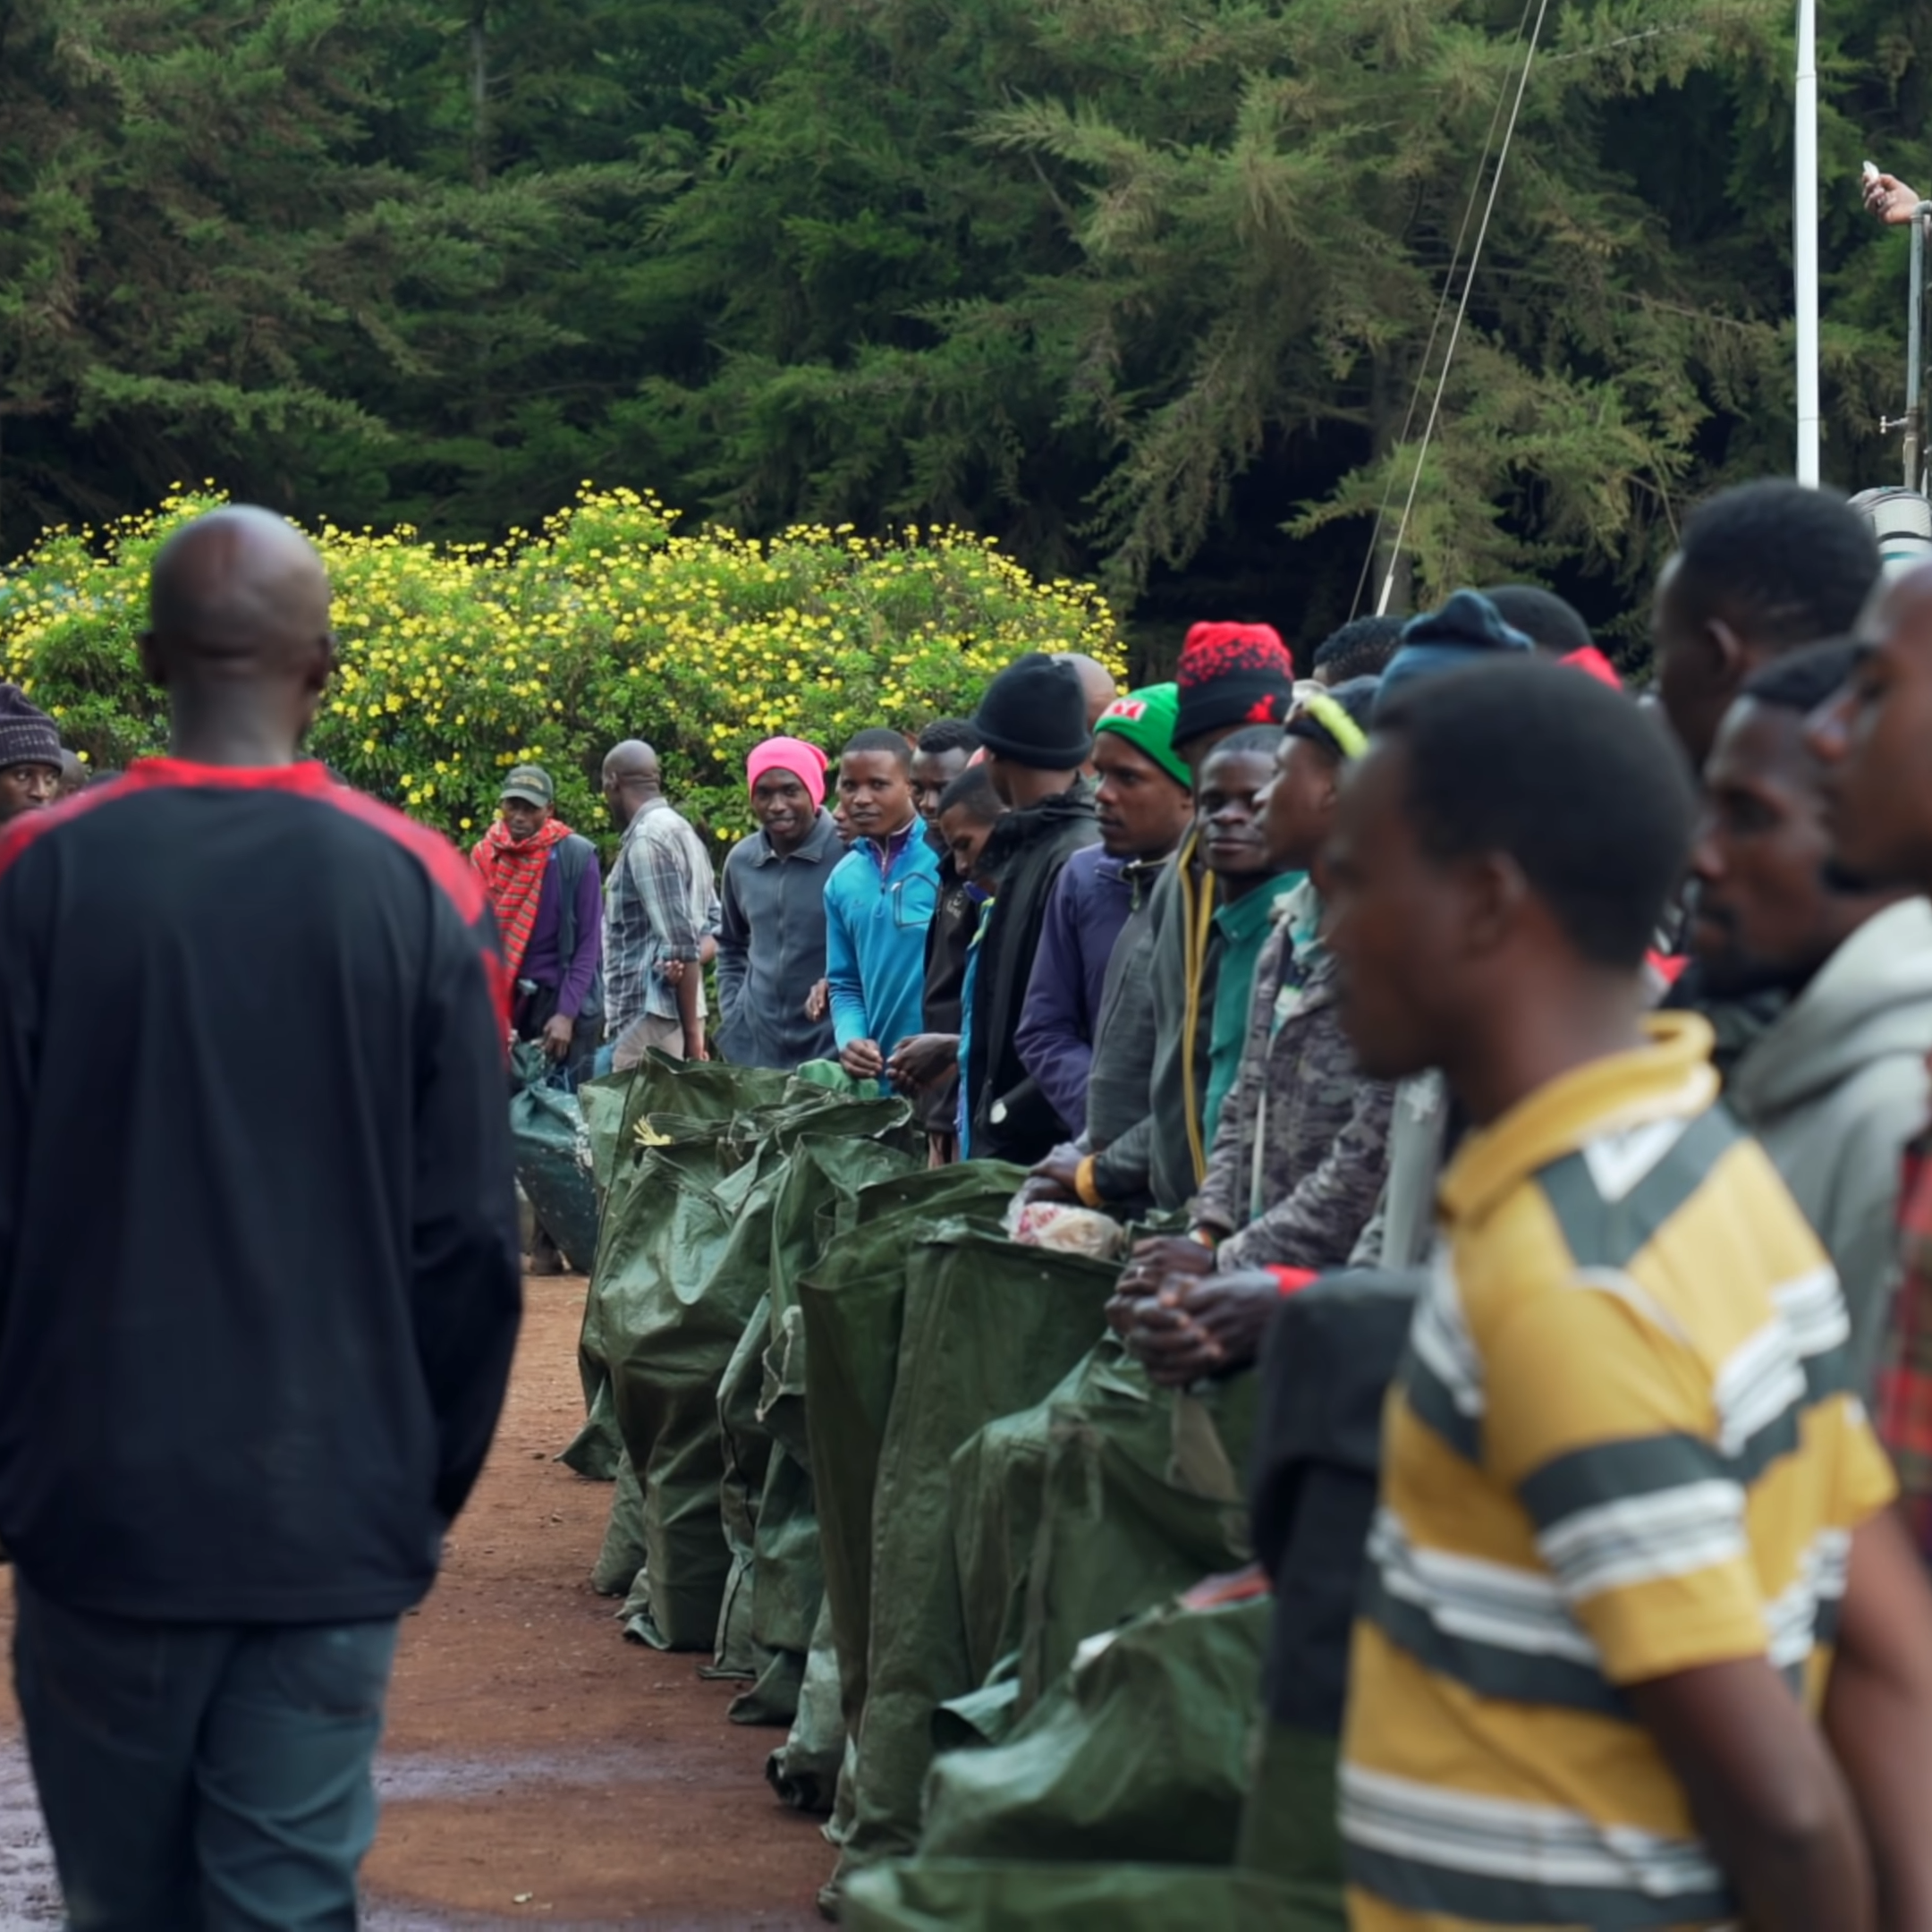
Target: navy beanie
[(1469, 629)]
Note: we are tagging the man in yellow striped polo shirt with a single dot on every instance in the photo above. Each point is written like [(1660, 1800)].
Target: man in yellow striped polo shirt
[(1624, 1480)]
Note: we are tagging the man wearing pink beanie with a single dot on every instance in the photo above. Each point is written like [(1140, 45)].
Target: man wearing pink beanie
[(771, 946)]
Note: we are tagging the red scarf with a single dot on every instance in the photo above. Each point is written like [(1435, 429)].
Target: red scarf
[(512, 873)]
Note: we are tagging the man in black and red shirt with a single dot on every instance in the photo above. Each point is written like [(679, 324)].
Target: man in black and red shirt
[(258, 1265)]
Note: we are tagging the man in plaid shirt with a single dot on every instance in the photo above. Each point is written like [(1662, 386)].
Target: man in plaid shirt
[(658, 916), (1873, 737)]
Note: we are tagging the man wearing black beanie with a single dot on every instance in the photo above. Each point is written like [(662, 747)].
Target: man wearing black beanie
[(29, 756), (1033, 721)]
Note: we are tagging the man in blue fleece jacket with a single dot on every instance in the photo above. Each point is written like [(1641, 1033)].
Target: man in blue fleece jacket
[(878, 902)]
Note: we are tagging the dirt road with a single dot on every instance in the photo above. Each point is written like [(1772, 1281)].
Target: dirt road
[(538, 1769)]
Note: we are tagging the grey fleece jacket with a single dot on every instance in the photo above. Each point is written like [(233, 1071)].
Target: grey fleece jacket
[(1124, 1032), (1834, 1089), (1153, 1160)]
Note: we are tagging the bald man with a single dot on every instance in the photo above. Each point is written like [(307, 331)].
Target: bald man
[(659, 918), (257, 1208), (1097, 683)]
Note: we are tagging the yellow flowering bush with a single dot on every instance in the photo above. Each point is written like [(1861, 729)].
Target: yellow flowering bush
[(459, 661)]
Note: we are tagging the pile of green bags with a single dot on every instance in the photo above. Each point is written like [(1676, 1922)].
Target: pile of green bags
[(777, 1582), (553, 1154), (887, 1466), (685, 1262), (923, 1323)]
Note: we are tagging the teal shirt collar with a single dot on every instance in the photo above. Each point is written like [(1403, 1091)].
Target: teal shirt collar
[(1245, 924)]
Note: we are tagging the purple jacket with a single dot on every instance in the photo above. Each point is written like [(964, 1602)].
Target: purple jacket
[(543, 957), (1091, 903)]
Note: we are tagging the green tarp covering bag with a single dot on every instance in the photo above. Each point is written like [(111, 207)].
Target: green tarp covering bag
[(943, 1896), (853, 1301), (684, 1264), (662, 1344), (777, 1586), (746, 1450), (983, 1325), (859, 1246), (675, 1300), (552, 1148), (1144, 1493), (598, 1445), (621, 1555), (1139, 1751), (804, 1770), (1102, 1500), (611, 1108)]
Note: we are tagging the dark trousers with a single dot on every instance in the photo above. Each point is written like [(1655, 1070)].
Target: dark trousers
[(530, 1013), (203, 1777)]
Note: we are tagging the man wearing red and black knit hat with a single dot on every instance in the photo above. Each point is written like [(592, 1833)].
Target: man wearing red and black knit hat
[(1231, 674)]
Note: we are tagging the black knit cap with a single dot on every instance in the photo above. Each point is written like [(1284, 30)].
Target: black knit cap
[(27, 736), (1035, 713)]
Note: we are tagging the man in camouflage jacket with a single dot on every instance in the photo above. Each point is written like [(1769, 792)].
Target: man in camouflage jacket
[(1302, 1150), (1300, 1155)]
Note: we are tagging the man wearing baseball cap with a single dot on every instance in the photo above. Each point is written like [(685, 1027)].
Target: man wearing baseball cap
[(542, 882), (29, 756)]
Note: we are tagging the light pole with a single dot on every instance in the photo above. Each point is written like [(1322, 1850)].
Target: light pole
[(1804, 241)]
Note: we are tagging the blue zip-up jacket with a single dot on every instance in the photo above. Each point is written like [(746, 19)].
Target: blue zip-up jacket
[(876, 938)]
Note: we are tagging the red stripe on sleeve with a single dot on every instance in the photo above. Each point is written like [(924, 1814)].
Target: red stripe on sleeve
[(454, 874), (33, 826), (1293, 1280)]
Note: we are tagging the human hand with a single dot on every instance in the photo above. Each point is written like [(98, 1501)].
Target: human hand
[(862, 1059), (818, 1001), (672, 972), (922, 1060), (1160, 1256), (1890, 200), (1204, 1325), (695, 1048), (1125, 1307), (558, 1031), (1055, 1178)]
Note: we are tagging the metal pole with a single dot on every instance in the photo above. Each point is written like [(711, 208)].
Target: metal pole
[(1804, 241), (1915, 352)]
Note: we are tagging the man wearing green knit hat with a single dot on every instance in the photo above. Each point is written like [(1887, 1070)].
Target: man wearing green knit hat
[(1145, 807)]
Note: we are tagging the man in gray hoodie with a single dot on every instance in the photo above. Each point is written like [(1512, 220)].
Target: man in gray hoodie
[(1837, 1084)]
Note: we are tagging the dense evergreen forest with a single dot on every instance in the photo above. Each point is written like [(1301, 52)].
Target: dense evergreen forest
[(1146, 288)]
